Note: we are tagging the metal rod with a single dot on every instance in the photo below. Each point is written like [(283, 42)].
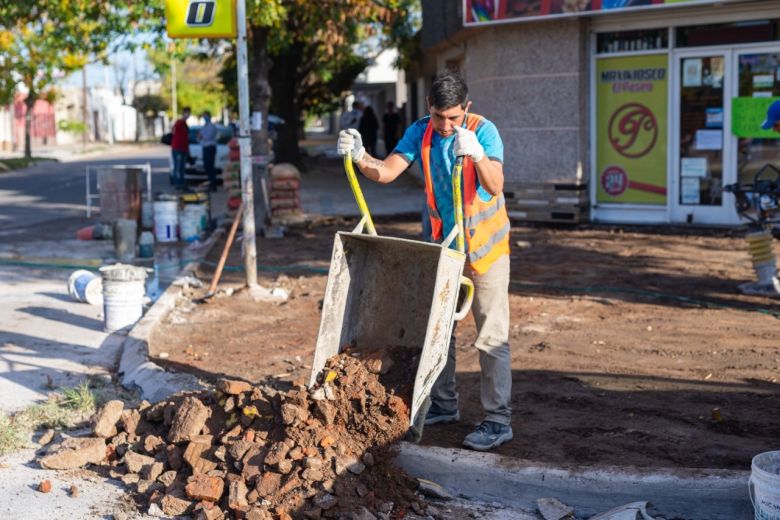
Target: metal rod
[(225, 251), (245, 144)]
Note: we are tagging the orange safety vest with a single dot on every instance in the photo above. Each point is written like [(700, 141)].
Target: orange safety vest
[(486, 223)]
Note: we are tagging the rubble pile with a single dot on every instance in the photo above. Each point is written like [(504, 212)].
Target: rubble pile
[(253, 452)]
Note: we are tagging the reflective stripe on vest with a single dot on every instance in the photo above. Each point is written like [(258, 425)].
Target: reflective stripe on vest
[(489, 217), (485, 214)]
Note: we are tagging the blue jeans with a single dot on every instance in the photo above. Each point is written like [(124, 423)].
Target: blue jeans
[(179, 164)]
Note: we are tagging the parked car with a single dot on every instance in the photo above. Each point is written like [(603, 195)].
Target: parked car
[(195, 169)]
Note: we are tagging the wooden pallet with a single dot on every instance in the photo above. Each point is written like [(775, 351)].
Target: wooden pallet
[(548, 202)]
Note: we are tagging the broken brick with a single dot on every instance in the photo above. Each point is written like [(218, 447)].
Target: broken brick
[(104, 421), (233, 387), (189, 420), (203, 487)]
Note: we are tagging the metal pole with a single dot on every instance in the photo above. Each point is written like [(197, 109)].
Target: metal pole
[(245, 143), (84, 108), (174, 105)]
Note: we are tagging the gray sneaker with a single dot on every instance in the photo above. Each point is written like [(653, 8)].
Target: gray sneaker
[(488, 435), (436, 415)]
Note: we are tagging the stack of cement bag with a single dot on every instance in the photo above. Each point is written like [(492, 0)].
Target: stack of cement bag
[(284, 199)]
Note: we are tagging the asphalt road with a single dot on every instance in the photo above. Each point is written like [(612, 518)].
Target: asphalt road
[(54, 192)]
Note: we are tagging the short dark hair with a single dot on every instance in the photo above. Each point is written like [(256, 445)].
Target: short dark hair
[(447, 90), (186, 109)]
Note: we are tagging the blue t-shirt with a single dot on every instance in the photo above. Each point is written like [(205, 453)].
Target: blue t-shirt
[(443, 161)]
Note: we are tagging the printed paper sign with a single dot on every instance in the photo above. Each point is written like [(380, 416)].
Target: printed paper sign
[(763, 81), (709, 140), (693, 167), (692, 72), (256, 122), (690, 190), (714, 117)]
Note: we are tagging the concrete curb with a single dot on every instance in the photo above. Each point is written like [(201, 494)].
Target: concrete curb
[(679, 493), (135, 368)]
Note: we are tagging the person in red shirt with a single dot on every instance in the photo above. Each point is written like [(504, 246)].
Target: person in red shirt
[(180, 148)]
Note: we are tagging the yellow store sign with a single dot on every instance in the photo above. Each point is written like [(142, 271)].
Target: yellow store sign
[(631, 129), (200, 18)]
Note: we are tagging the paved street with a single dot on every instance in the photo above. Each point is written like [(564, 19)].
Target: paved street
[(47, 340)]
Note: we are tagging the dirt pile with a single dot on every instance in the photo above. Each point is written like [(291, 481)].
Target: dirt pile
[(252, 452)]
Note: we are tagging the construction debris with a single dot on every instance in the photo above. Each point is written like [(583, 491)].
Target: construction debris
[(247, 451), (554, 509)]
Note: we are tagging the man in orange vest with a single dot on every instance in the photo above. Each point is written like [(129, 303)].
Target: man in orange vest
[(437, 139)]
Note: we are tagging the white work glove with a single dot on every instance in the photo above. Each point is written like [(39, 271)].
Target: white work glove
[(466, 143), (350, 141)]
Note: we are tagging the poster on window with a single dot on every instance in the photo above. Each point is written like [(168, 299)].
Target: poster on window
[(631, 129)]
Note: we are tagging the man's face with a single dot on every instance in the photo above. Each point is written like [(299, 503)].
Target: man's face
[(185, 114), (445, 119)]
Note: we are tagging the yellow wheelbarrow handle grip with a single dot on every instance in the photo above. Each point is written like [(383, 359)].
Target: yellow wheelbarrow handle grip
[(466, 306), (358, 193)]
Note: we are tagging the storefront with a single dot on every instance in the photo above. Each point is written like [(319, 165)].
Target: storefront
[(676, 98)]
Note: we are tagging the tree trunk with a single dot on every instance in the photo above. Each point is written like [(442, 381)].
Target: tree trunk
[(260, 88), (29, 103), (284, 85)]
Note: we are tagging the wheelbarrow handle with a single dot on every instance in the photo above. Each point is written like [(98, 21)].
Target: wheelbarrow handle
[(466, 305), (358, 193)]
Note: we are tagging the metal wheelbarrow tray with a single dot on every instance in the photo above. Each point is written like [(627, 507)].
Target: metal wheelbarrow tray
[(392, 292)]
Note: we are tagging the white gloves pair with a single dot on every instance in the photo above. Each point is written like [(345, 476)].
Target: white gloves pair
[(466, 143)]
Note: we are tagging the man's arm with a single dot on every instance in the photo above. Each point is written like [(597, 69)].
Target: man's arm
[(382, 171), (491, 175)]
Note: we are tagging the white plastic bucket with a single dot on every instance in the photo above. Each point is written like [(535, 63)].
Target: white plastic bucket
[(85, 286), (166, 220), (765, 485), (189, 224), (123, 294)]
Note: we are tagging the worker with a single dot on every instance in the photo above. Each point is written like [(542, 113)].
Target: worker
[(436, 140), (180, 148)]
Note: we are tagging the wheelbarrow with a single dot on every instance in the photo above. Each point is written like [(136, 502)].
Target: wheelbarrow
[(393, 292)]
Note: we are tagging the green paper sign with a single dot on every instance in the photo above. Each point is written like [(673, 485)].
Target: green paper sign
[(747, 115)]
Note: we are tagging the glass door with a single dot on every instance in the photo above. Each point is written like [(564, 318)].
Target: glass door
[(701, 162), (758, 86)]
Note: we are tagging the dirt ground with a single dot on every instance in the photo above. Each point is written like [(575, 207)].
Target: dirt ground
[(629, 346)]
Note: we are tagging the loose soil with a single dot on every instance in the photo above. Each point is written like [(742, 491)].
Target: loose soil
[(629, 346)]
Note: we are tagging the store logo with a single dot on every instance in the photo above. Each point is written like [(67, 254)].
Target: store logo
[(200, 13), (614, 180), (633, 130)]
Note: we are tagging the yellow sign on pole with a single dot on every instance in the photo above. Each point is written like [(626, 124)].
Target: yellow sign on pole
[(200, 18)]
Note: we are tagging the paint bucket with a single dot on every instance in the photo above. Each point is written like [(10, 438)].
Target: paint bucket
[(764, 485), (147, 214), (189, 224), (146, 245), (86, 287), (166, 220), (202, 215), (124, 239), (123, 294)]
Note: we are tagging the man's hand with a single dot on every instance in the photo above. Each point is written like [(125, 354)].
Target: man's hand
[(350, 141), (466, 143)]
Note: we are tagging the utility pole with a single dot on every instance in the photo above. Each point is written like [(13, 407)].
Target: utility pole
[(245, 144), (174, 105)]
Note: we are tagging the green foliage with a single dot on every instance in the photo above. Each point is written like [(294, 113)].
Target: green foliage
[(41, 39), (11, 437), (150, 104), (72, 126), (81, 398)]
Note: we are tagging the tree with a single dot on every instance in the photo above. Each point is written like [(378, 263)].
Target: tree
[(303, 55), (41, 39)]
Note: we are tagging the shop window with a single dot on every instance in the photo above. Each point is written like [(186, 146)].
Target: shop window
[(628, 41), (729, 33)]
